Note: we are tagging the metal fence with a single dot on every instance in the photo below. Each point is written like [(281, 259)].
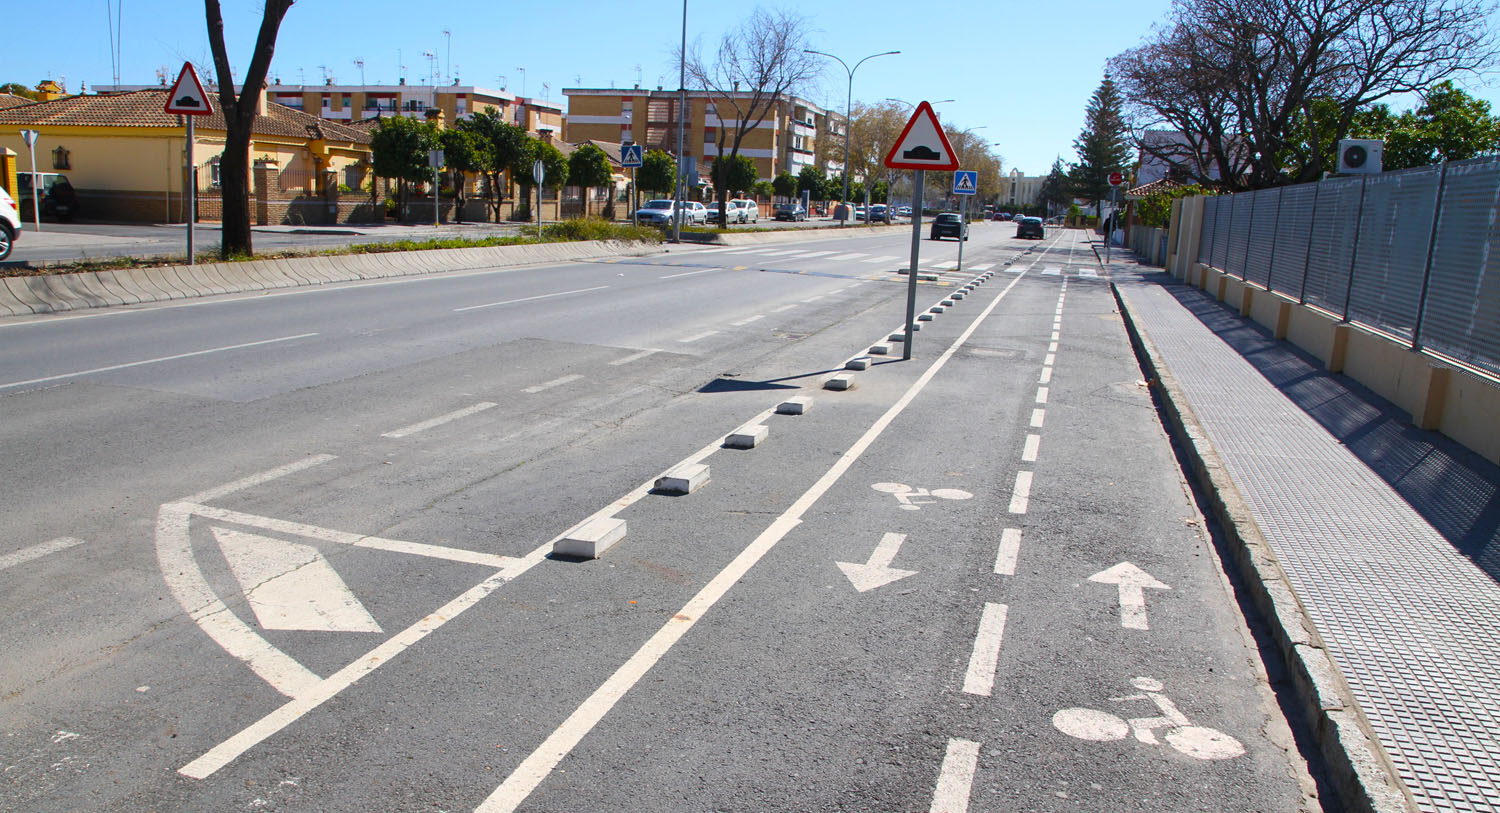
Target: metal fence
[(1413, 254)]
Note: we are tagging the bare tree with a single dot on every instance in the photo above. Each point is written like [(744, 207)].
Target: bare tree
[(1238, 79), (757, 66), (239, 119)]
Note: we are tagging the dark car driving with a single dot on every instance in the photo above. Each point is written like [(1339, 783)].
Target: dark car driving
[(949, 224), (1030, 227)]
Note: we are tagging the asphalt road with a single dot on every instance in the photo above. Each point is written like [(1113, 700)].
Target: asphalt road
[(291, 551)]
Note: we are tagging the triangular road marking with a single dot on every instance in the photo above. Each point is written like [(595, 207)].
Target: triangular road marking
[(291, 586)]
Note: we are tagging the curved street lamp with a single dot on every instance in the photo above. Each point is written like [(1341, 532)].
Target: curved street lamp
[(848, 117)]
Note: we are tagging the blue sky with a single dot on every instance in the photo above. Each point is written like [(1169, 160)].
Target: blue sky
[(1021, 70)]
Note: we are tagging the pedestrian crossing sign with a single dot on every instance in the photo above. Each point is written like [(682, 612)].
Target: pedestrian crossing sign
[(630, 156), (965, 182)]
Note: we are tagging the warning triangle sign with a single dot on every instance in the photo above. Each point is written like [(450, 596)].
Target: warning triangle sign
[(187, 96), (922, 144)]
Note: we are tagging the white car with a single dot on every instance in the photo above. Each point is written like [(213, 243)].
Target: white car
[(659, 213), (744, 211), (10, 224)]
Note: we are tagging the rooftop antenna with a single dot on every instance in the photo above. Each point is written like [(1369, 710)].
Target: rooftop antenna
[(523, 80), (301, 79), (577, 79), (547, 90), (501, 79), (327, 77), (637, 75), (448, 61), (360, 63), (431, 59), (116, 15)]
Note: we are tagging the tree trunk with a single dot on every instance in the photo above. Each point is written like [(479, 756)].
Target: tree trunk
[(234, 182), (458, 197)]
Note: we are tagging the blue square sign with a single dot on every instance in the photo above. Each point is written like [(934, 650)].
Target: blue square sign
[(630, 156), (966, 182)]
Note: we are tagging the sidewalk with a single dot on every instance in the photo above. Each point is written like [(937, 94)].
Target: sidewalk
[(1388, 537)]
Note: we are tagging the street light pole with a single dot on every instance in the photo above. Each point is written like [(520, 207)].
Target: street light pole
[(848, 117), (677, 188)]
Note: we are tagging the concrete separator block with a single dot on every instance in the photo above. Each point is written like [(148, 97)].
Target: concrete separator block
[(924, 317), (796, 405), (842, 381), (881, 349), (591, 539), (898, 336), (747, 437), (938, 309), (858, 363), (957, 295), (916, 326), (927, 277), (947, 303), (683, 479)]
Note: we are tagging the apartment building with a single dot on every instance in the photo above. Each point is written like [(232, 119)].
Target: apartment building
[(786, 140)]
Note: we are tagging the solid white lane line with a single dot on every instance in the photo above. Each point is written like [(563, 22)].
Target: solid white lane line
[(696, 337), (1046, 376), (1033, 446), (632, 357), (528, 299), (556, 382), (874, 260), (542, 761), (956, 777), (728, 250), (749, 251), (144, 362), (812, 254), (439, 420), (690, 273), (1041, 395), (256, 479), (785, 308), (980, 679), (1020, 496), (1037, 416), (853, 255), (813, 299), (37, 551), (743, 322), (1010, 549), (780, 252)]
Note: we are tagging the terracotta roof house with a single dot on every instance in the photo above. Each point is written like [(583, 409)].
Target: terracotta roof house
[(8, 100), (125, 157)]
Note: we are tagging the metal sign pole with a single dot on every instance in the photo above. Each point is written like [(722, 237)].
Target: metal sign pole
[(963, 229), (635, 209), (1109, 225), (29, 136), (918, 176), (192, 188), (436, 194)]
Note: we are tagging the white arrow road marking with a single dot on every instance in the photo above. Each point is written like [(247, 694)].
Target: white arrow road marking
[(291, 586), (878, 571), (1132, 582)]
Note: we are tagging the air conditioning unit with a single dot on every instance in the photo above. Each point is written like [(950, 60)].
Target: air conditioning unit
[(1360, 156)]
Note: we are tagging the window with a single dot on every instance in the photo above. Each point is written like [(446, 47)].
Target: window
[(711, 110), (627, 109), (213, 170), (711, 136)]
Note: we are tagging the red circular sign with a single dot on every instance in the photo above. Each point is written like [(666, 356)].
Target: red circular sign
[(1116, 178)]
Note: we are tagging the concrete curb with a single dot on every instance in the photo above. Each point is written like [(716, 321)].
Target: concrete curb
[(1358, 766), (55, 293)]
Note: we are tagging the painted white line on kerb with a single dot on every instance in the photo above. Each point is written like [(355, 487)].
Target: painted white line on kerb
[(690, 273), (703, 335), (144, 362), (1009, 550), (632, 357), (1037, 416), (439, 420), (556, 382), (542, 761), (1041, 395), (1020, 497), (980, 679), (25, 555), (528, 299), (1033, 445), (256, 479), (743, 322), (785, 308), (956, 778)]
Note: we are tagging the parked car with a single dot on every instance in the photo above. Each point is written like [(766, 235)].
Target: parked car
[(59, 200), (1002, 216), (791, 211), (1030, 227), (949, 224), (713, 213), (659, 213), (694, 212), (880, 213), (10, 224), (904, 211), (744, 210)]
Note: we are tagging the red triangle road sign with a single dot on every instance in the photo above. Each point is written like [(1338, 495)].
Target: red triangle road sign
[(187, 96), (922, 144)]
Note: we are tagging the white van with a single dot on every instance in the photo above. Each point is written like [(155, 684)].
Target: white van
[(10, 224)]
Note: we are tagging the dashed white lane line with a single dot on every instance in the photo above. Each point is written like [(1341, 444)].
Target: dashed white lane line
[(779, 252), (813, 298), (1054, 335), (1050, 360), (690, 273), (730, 250), (980, 678), (1033, 446), (528, 299), (695, 337), (1052, 348), (853, 255), (1020, 496), (1046, 376), (256, 479), (874, 260), (1041, 395), (752, 251), (142, 363), (743, 322), (956, 778), (632, 357), (812, 254), (1010, 549), (556, 382), (25, 555), (1037, 416), (982, 267), (439, 420), (785, 308)]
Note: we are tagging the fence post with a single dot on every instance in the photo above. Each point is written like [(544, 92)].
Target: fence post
[(1307, 261), (1359, 222), (1249, 232), (1275, 232), (1437, 214)]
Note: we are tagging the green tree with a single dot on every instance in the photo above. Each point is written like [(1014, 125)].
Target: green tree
[(554, 173), (588, 167), (658, 172), (1103, 146), (785, 184), (1155, 209), (239, 119), (398, 148), (733, 174), (1054, 191), (763, 189), (505, 143), (464, 152), (812, 181), (18, 89)]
